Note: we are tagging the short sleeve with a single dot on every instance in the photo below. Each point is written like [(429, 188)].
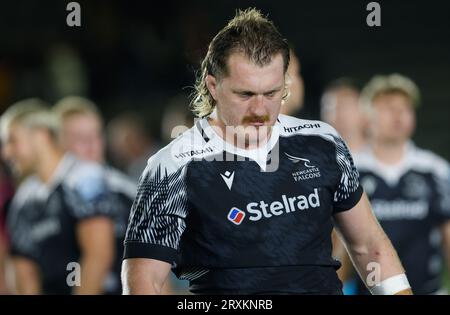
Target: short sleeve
[(19, 225), (348, 190), (441, 202), (158, 214), (19, 221)]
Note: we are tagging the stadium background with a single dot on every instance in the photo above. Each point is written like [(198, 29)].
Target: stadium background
[(142, 56)]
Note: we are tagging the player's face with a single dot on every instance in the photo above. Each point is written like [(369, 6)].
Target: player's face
[(18, 149), (249, 97), (393, 118), (343, 112), (82, 135)]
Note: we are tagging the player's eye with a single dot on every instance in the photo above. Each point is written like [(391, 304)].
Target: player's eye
[(245, 95), (270, 94)]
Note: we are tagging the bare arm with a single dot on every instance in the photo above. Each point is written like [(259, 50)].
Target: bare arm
[(27, 277), (339, 251), (144, 276), (3, 259), (96, 240), (446, 244), (367, 243)]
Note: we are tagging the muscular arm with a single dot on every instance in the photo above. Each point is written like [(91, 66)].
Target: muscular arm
[(27, 277), (144, 276), (96, 239), (366, 242), (346, 270)]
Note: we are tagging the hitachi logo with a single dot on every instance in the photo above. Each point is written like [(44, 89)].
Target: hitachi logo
[(258, 210), (194, 152), (297, 128)]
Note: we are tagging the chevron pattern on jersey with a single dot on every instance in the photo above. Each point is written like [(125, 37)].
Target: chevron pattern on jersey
[(350, 177), (160, 208)]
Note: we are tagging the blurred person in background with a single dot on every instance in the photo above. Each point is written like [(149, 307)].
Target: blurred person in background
[(130, 144), (82, 134), (341, 109), (176, 119), (408, 187), (6, 194), (58, 216), (294, 81)]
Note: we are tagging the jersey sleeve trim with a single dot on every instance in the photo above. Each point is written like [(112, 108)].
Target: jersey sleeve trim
[(350, 202), (152, 251)]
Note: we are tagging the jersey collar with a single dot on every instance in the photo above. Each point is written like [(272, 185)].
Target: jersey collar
[(259, 155)]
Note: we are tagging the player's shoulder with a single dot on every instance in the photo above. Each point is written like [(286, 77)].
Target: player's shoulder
[(87, 179), (427, 161), (188, 146), (292, 126), (28, 185), (76, 170), (118, 182)]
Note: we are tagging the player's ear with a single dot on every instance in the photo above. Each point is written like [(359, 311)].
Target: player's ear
[(211, 84)]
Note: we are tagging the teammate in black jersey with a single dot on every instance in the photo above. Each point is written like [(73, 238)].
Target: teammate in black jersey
[(60, 215), (408, 187), (82, 134), (244, 202)]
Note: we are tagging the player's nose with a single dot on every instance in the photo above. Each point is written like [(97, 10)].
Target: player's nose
[(257, 106)]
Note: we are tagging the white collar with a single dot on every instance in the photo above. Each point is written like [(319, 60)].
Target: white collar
[(392, 173), (259, 155)]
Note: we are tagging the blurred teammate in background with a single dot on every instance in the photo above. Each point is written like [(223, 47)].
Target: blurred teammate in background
[(408, 186), (341, 109), (294, 81), (6, 194), (82, 134), (59, 215), (130, 144)]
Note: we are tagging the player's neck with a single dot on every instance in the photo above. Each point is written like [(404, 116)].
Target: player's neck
[(389, 152), (48, 163)]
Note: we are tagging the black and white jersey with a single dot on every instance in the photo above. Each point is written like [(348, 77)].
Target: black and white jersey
[(43, 218), (121, 191), (411, 201), (246, 221)]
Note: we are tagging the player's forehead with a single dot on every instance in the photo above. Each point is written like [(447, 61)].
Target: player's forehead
[(81, 120), (244, 74), (392, 99)]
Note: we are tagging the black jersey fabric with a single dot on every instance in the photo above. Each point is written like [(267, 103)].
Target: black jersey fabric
[(44, 217), (246, 221), (411, 200)]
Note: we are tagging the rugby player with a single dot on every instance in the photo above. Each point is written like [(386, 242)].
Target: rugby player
[(60, 226), (82, 133), (408, 186), (244, 202)]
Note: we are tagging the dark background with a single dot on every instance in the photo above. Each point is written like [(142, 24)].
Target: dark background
[(140, 55)]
